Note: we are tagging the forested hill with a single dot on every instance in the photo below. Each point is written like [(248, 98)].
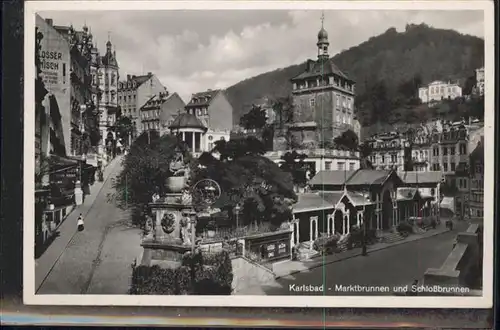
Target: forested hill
[(383, 63)]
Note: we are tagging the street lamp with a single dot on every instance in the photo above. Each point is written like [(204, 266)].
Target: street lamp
[(237, 209)]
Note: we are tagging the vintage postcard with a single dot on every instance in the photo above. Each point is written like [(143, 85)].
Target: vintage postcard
[(250, 153)]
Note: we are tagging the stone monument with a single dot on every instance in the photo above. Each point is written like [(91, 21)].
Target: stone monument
[(170, 230)]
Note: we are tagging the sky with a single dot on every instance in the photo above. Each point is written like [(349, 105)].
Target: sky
[(194, 50)]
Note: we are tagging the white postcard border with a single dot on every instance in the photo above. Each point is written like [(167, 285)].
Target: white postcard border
[(485, 301)]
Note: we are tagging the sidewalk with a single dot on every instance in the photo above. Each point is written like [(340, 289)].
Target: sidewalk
[(66, 230), (289, 267)]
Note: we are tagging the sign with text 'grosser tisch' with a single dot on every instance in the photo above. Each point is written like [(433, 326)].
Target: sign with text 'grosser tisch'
[(53, 67)]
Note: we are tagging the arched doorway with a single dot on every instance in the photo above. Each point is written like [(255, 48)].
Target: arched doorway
[(295, 233), (338, 220), (386, 210), (331, 225)]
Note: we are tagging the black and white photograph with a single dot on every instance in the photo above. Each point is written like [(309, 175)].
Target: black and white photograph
[(316, 153)]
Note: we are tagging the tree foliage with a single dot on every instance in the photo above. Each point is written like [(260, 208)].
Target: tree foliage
[(124, 128), (256, 118), (293, 163), (248, 179), (145, 169)]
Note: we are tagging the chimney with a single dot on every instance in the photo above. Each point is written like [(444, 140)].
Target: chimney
[(150, 74), (49, 21), (209, 90), (128, 77), (309, 65)]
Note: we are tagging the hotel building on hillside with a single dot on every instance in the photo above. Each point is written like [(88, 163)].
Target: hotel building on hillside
[(439, 90), (479, 88), (134, 92), (388, 150)]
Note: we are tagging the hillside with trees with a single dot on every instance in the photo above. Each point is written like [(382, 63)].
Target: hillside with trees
[(388, 69)]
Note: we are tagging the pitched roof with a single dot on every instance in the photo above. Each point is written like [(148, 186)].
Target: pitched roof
[(186, 120), (359, 199), (368, 177), (310, 202), (332, 197), (414, 177), (331, 177), (203, 98), (157, 100), (406, 194), (320, 68)]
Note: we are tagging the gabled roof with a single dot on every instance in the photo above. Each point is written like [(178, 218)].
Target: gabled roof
[(332, 197), (331, 178), (413, 177), (320, 68), (369, 177), (202, 99), (407, 194), (311, 202)]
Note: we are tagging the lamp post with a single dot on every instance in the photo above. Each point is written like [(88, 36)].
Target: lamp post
[(237, 209)]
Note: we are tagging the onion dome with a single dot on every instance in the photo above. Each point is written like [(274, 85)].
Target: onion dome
[(322, 36), (187, 120)]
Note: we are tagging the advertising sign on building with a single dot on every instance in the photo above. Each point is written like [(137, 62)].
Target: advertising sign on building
[(53, 68)]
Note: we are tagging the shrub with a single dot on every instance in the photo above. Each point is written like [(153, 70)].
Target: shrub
[(201, 274), (326, 244), (404, 228)]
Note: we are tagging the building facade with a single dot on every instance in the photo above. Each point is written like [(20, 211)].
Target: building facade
[(160, 111), (439, 90), (476, 203), (213, 109), (323, 99), (65, 57), (479, 88), (134, 92)]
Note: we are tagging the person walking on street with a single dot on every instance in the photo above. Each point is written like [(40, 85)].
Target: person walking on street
[(80, 224)]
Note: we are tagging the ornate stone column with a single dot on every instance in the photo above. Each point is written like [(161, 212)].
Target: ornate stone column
[(378, 210), (347, 222), (328, 225)]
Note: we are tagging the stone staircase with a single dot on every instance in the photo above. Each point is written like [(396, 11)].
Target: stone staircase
[(305, 251), (392, 238), (418, 230)]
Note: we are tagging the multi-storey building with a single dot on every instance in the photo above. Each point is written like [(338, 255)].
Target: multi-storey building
[(323, 98), (476, 171), (388, 151), (213, 109), (439, 90), (105, 76), (65, 70), (160, 111), (134, 92), (479, 88)]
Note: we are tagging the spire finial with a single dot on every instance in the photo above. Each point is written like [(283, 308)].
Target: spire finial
[(109, 35), (322, 18)]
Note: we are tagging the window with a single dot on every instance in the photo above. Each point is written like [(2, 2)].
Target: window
[(445, 151), (205, 112), (351, 166), (383, 159), (328, 166), (465, 183), (463, 148), (445, 167), (340, 166), (452, 150), (338, 100), (312, 102), (459, 183), (452, 167), (198, 112)]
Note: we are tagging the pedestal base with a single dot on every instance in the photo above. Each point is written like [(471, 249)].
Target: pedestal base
[(163, 254)]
